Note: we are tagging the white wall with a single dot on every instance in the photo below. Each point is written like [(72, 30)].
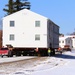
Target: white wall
[(65, 41), (73, 43), (73, 40), (25, 29), (61, 42)]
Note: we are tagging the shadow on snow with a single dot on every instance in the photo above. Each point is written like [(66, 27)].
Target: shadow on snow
[(64, 56)]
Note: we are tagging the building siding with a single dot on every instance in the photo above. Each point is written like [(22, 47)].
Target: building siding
[(25, 30)]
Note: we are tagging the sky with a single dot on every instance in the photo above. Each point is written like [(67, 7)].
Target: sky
[(61, 12)]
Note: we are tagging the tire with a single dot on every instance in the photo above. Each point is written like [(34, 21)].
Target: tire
[(10, 53), (2, 56)]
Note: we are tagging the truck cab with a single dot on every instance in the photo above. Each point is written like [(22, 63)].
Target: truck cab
[(4, 52)]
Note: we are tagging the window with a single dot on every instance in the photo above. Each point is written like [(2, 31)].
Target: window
[(59, 41), (68, 41), (62, 41), (37, 23), (11, 37), (37, 37), (11, 23)]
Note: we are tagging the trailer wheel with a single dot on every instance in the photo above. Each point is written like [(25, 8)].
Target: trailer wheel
[(18, 53), (10, 53), (24, 53), (2, 56)]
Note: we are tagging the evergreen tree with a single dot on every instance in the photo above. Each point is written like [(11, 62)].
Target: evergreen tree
[(10, 9), (16, 5), (21, 4)]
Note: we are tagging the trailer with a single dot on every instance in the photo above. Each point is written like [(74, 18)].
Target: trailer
[(66, 48), (30, 51), (28, 32)]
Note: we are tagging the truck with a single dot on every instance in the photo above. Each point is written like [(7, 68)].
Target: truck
[(63, 49), (28, 32), (66, 48), (3, 52)]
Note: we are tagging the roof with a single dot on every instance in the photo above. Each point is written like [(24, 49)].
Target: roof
[(63, 38), (25, 11), (67, 36)]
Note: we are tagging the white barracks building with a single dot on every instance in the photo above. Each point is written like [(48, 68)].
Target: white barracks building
[(67, 40), (28, 29)]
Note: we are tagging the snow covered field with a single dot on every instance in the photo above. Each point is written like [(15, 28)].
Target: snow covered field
[(58, 65)]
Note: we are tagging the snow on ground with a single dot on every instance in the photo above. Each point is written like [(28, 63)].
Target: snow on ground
[(67, 67), (57, 65), (42, 67), (10, 59)]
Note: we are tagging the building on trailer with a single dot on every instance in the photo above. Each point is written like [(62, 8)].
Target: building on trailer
[(67, 40), (27, 29)]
